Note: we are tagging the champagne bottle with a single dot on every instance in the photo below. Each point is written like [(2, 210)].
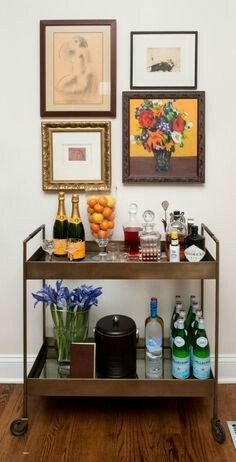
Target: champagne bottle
[(60, 227), (154, 331), (180, 353), (76, 230), (201, 353)]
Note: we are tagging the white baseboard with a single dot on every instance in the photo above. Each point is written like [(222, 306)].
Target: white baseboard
[(11, 368)]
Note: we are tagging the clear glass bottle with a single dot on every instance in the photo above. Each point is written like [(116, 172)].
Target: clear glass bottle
[(131, 232), (201, 353), (154, 333), (150, 240), (177, 223)]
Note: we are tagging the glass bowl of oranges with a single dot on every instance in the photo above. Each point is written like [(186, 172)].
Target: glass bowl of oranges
[(101, 216)]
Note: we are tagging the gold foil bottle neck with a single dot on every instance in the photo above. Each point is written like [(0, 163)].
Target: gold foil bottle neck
[(75, 198), (61, 196)]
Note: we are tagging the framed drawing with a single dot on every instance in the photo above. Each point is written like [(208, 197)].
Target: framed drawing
[(77, 68), (164, 137), (76, 156), (163, 60)]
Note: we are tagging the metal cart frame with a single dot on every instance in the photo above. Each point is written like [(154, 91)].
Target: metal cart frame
[(36, 267)]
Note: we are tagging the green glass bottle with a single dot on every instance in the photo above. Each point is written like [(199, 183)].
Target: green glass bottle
[(60, 227), (192, 331), (76, 231), (201, 353), (180, 353), (189, 315), (175, 316)]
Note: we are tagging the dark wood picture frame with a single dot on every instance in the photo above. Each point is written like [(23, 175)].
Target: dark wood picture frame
[(163, 60), (157, 149), (78, 68)]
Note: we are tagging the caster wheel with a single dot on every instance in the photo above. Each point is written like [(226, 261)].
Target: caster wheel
[(19, 427), (217, 431)]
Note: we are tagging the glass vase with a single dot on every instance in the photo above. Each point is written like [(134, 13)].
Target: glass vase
[(162, 160), (69, 326)]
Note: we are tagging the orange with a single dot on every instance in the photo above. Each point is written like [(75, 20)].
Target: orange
[(105, 225), (98, 208), (90, 210), (111, 217), (102, 201), (111, 224), (103, 234), (95, 227), (96, 218), (107, 211), (92, 202)]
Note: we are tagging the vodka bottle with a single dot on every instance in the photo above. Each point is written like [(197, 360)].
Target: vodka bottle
[(154, 331), (180, 353), (201, 353)]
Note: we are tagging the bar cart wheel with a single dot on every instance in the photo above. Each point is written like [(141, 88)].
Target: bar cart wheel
[(19, 427), (217, 431)]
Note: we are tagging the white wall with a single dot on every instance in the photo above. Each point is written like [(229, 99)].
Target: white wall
[(25, 206)]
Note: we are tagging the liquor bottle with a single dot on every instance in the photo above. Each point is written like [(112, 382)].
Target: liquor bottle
[(150, 239), (180, 353), (201, 353), (190, 310), (174, 251), (177, 223), (76, 231), (131, 232), (154, 332), (60, 227), (195, 245)]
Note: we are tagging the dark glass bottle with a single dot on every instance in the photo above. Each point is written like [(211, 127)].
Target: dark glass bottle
[(60, 227), (195, 239), (76, 230)]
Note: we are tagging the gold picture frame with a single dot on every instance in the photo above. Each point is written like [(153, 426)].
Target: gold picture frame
[(78, 68), (76, 156)]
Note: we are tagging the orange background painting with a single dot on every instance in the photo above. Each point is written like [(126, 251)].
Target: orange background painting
[(189, 106)]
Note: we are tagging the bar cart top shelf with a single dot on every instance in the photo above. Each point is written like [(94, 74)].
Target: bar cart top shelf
[(38, 267)]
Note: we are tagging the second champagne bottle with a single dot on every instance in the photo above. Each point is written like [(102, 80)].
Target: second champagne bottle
[(76, 234)]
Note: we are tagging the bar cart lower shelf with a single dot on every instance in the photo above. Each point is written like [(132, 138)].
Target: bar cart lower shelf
[(45, 379)]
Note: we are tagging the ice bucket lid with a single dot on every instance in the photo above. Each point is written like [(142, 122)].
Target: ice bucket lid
[(115, 324)]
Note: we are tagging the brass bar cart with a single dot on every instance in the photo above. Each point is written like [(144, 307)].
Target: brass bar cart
[(43, 378)]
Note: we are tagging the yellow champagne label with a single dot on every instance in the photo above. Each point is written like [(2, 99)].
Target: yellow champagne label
[(60, 246), (61, 217), (76, 250), (75, 221)]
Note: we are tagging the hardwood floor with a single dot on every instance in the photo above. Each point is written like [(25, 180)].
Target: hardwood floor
[(115, 430)]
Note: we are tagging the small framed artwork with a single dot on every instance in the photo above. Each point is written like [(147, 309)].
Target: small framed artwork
[(76, 156), (163, 60), (77, 68), (164, 137)]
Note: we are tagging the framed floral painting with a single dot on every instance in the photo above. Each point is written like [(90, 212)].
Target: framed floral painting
[(78, 68), (164, 137), (163, 60)]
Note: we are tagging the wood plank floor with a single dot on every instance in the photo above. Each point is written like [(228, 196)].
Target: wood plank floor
[(106, 430)]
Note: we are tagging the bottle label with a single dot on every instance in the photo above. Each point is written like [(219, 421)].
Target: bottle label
[(60, 246), (154, 345), (194, 253), (75, 221), (180, 367), (61, 217), (153, 365), (201, 367), (202, 342), (174, 253), (179, 341), (77, 250)]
